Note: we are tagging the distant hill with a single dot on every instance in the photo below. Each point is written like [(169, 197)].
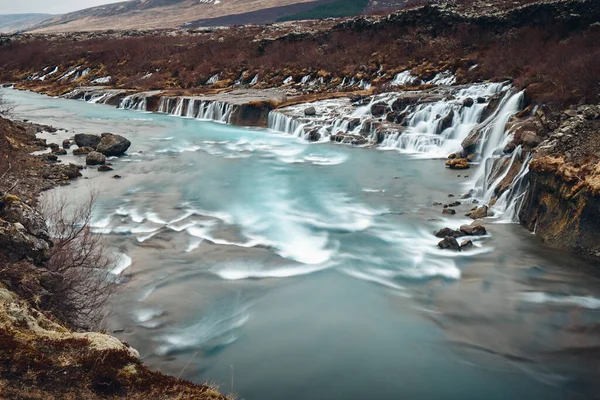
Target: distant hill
[(156, 14), (20, 22)]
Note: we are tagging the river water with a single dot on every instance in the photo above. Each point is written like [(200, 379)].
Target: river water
[(280, 269)]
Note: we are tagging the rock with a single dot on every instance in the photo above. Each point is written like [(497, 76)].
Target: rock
[(449, 211), (310, 111), (446, 122), (314, 135), (458, 163), (442, 233), (66, 144), (87, 140), (95, 158), (449, 243), (473, 230), (113, 145), (466, 245), (468, 102), (471, 157), (82, 151), (454, 204), (478, 213), (437, 204), (50, 157), (480, 100), (59, 152), (378, 109), (53, 146), (104, 168), (116, 176)]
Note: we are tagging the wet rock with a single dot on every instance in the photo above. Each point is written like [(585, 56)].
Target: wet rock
[(87, 140), (113, 145), (310, 111), (314, 136), (53, 146), (473, 230), (454, 204), (449, 243), (466, 245), (95, 158), (117, 176), (458, 163), (445, 232), (59, 152), (478, 213), (66, 144), (378, 109), (104, 168), (81, 151), (446, 122), (448, 211), (437, 204), (50, 157), (468, 102), (480, 100)]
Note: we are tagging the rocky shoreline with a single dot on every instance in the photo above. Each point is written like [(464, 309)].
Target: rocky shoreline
[(40, 356)]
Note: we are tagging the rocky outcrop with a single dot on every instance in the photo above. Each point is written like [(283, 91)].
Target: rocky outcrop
[(562, 203), (23, 232), (113, 145), (95, 158)]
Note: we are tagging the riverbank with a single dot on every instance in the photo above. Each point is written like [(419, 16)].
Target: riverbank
[(40, 357)]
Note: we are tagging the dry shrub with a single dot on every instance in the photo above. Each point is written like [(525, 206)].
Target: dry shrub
[(81, 257)]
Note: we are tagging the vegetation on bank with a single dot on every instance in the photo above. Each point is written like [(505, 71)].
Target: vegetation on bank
[(339, 8)]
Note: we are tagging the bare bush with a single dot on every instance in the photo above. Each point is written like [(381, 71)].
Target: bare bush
[(80, 256), (6, 110)]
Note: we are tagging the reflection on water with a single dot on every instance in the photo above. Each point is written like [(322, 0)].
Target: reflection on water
[(309, 271)]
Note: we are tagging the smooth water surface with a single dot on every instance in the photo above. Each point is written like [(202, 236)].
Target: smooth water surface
[(281, 269)]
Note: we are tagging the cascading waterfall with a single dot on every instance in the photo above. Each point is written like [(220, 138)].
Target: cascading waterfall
[(195, 108), (282, 123), (135, 101)]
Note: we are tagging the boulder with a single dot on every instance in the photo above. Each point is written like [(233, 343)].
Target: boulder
[(113, 145), (478, 213), (87, 140), (80, 151), (66, 144), (104, 168), (448, 211), (53, 146), (449, 243), (59, 152), (458, 163), (95, 158), (473, 230), (310, 111), (468, 102)]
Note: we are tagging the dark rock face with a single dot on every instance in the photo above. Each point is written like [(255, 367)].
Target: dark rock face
[(95, 158), (87, 140), (314, 136), (113, 145), (378, 109)]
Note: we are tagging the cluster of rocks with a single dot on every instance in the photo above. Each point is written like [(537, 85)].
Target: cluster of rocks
[(97, 147), (449, 236)]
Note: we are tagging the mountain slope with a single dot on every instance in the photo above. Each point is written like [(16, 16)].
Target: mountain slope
[(18, 22), (155, 14)]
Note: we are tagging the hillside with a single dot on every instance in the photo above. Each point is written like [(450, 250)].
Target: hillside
[(157, 14), (20, 22)]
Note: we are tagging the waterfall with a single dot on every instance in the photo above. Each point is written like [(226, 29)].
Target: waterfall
[(195, 108), (282, 123), (254, 80), (405, 78), (135, 101), (212, 80)]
